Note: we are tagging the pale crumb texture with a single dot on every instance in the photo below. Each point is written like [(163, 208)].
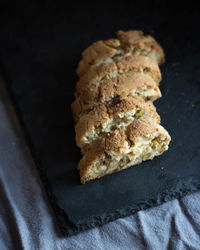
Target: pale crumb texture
[(117, 150)]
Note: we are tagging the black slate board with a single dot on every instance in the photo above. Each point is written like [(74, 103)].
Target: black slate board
[(40, 48)]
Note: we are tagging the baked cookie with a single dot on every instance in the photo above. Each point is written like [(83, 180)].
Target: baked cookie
[(110, 70), (97, 74), (119, 113), (127, 43), (128, 84), (118, 150)]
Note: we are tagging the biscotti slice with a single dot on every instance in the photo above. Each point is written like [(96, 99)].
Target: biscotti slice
[(134, 41), (117, 150), (119, 113), (109, 70), (129, 84), (97, 53), (128, 43)]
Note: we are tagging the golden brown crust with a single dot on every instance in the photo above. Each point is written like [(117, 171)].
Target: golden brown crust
[(110, 70), (143, 127), (131, 41), (122, 85), (113, 43), (94, 75), (118, 142), (103, 113), (117, 123), (135, 40), (93, 54), (77, 109), (110, 142), (141, 63)]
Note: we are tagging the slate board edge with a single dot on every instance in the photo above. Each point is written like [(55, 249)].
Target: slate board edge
[(67, 227)]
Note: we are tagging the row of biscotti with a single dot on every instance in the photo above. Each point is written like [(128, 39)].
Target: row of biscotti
[(113, 98), (131, 76), (107, 104)]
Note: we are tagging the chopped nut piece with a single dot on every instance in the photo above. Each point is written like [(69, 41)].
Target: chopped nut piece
[(154, 143), (139, 113)]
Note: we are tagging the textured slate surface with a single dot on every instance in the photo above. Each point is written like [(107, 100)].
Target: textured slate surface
[(27, 222), (39, 52)]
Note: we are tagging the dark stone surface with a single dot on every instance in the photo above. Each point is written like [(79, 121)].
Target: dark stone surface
[(39, 50)]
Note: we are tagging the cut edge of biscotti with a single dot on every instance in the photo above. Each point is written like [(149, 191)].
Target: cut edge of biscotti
[(119, 113), (118, 150), (97, 74), (130, 84), (132, 42)]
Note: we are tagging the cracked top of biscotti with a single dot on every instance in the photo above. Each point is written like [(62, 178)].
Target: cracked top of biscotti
[(118, 113), (144, 127), (132, 42), (114, 142), (129, 84), (97, 74)]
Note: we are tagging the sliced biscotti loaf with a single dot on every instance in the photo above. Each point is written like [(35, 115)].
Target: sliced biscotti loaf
[(98, 74), (128, 43), (129, 84), (119, 113), (117, 150)]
